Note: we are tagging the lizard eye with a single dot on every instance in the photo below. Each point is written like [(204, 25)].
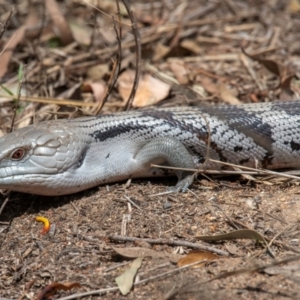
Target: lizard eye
[(17, 154)]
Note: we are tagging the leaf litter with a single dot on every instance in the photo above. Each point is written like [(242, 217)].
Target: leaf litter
[(192, 47)]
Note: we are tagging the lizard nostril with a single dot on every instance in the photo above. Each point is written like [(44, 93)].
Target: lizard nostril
[(17, 154)]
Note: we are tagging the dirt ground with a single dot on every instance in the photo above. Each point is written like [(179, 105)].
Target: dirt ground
[(95, 235)]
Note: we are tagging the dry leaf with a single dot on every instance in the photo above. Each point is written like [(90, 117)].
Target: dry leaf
[(228, 95), (97, 72), (195, 256), (233, 235), (209, 85), (271, 65), (285, 85), (81, 32), (59, 21), (290, 270), (52, 288), (125, 281), (180, 72), (133, 252), (294, 6), (97, 88), (150, 90), (191, 45), (160, 51), (234, 250)]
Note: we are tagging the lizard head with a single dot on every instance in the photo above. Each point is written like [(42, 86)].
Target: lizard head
[(38, 159)]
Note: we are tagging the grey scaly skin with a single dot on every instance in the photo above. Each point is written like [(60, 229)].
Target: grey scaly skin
[(66, 156)]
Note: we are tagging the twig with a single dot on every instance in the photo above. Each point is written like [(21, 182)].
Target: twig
[(132, 202), (138, 53), (6, 22), (21, 70), (4, 204), (120, 238), (253, 169), (117, 63), (57, 101)]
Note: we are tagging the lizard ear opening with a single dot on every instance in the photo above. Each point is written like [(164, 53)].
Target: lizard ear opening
[(17, 154)]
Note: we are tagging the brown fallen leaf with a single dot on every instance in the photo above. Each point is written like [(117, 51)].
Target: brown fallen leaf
[(195, 256), (47, 292), (81, 32), (97, 88), (209, 85), (133, 252), (284, 73), (180, 72), (269, 64), (286, 92), (125, 280), (228, 95), (97, 72), (150, 90)]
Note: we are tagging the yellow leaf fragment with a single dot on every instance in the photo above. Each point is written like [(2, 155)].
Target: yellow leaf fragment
[(125, 280)]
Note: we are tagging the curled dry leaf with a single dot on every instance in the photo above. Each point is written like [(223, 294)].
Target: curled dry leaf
[(195, 256), (47, 292), (97, 88), (150, 90), (125, 280)]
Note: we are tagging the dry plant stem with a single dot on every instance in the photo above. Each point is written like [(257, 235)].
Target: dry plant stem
[(138, 53), (253, 169), (117, 63), (121, 238), (57, 101), (4, 204), (18, 99), (6, 22), (217, 172)]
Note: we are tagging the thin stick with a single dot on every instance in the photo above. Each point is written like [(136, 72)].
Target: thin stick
[(21, 70), (117, 63), (6, 22), (253, 169), (121, 238), (4, 204), (138, 53)]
